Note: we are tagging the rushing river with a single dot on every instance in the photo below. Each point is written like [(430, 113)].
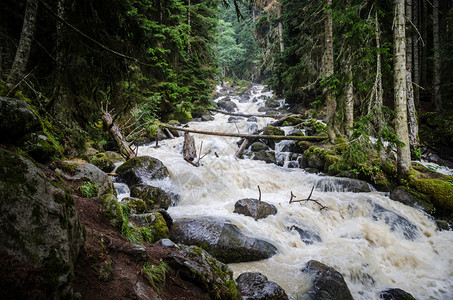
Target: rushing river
[(361, 233)]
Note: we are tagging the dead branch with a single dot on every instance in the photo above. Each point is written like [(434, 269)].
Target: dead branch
[(259, 190), (115, 132), (308, 199)]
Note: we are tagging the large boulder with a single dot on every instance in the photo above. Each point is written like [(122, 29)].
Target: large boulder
[(395, 294), (256, 286), (154, 197), (254, 208), (106, 161), (327, 283), (401, 194), (229, 106), (307, 235), (266, 156), (199, 267), (78, 170), (16, 120), (222, 239), (397, 223), (336, 184), (40, 232), (140, 169)]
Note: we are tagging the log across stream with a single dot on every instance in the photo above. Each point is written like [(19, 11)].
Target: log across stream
[(364, 236)]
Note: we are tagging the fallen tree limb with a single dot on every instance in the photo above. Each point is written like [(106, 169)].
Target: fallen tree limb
[(308, 199), (250, 136), (115, 132)]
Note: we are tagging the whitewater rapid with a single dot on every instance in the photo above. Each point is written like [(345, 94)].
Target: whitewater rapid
[(369, 252)]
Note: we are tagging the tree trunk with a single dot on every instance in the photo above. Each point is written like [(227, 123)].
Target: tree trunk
[(328, 70), (400, 84), (436, 44), (189, 151), (24, 47), (416, 47), (349, 105), (280, 28)]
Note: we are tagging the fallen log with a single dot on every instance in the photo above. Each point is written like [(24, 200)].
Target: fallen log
[(250, 136), (115, 132)]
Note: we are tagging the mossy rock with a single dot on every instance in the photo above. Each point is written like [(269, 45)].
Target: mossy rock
[(266, 156), (154, 197), (112, 210), (293, 121), (258, 146), (41, 147), (271, 103), (135, 205), (435, 191), (301, 147), (272, 130), (103, 162), (137, 169), (154, 224)]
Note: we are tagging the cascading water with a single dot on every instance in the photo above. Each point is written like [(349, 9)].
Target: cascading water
[(374, 242)]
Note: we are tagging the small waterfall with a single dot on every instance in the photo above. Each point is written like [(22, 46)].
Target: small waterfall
[(374, 242)]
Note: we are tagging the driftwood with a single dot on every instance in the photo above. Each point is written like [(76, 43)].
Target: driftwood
[(188, 150), (251, 136), (259, 190), (308, 199), (115, 132)]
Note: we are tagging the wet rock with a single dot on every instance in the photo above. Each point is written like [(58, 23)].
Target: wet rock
[(254, 208), (207, 117), (140, 169), (252, 119), (229, 106), (234, 119), (199, 267), (327, 283), (395, 294), (40, 232), (288, 146), (307, 235), (443, 225), (396, 222), (315, 161), (258, 146), (272, 130), (252, 128), (312, 170), (77, 170), (244, 99), (401, 194), (168, 243), (334, 184), (271, 103), (154, 197), (293, 165), (266, 156), (16, 120), (222, 239), (256, 286)]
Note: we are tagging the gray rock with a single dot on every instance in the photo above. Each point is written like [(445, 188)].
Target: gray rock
[(111, 209), (40, 147), (443, 225), (271, 103), (396, 222), (140, 169), (106, 161), (336, 184), (252, 119), (401, 194), (234, 119), (316, 162), (307, 235), (199, 267), (395, 294), (229, 106), (222, 239), (155, 221), (168, 243), (75, 170), (266, 156), (16, 120), (258, 146), (256, 286), (206, 117), (254, 208), (327, 283), (312, 170), (154, 197), (40, 232)]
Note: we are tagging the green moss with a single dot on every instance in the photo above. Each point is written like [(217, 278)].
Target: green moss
[(112, 210), (272, 130), (159, 227), (435, 191)]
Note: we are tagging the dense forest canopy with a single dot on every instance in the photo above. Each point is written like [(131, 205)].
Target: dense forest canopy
[(161, 59)]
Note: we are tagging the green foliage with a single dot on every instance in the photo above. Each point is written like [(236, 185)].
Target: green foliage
[(89, 189), (156, 274)]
